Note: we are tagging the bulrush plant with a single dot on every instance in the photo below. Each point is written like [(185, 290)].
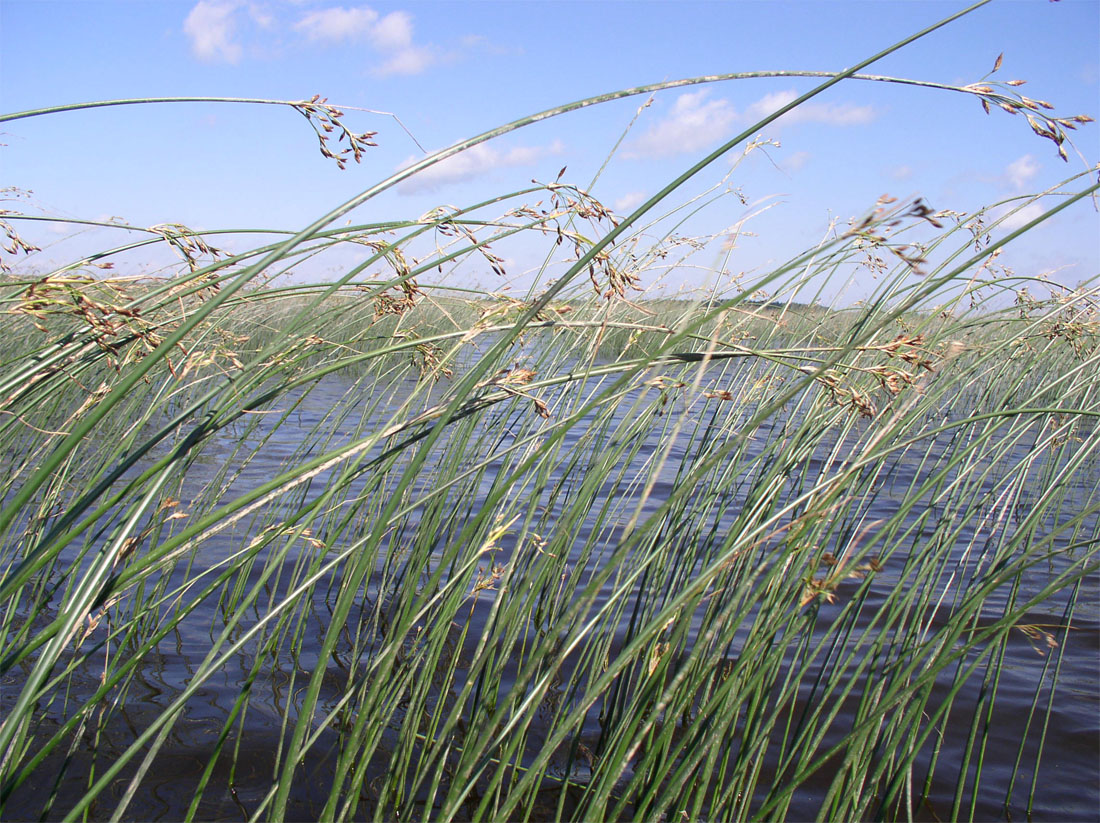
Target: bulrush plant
[(393, 547)]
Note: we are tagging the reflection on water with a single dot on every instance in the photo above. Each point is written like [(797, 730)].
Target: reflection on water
[(275, 674)]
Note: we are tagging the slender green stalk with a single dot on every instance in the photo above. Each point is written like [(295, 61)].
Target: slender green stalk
[(423, 551)]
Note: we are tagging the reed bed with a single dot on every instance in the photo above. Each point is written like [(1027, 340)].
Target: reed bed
[(385, 548)]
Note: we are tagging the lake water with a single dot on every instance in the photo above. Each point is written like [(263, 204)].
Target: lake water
[(1066, 783)]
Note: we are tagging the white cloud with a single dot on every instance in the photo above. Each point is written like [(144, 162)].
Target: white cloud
[(1023, 216), (796, 160), (902, 172), (628, 202), (526, 155), (832, 114), (392, 35), (694, 123), (769, 103), (211, 27), (473, 163), (394, 31), (1020, 171), (481, 43), (214, 28), (337, 23), (262, 17), (412, 60), (835, 114)]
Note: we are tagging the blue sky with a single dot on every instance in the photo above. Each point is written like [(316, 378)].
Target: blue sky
[(450, 70)]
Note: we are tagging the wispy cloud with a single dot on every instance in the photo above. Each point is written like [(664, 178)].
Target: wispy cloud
[(337, 24), (694, 123), (832, 114), (796, 161), (1021, 171), (261, 16), (481, 43), (413, 60), (394, 31), (1022, 217), (628, 202), (211, 28), (215, 29), (474, 162), (901, 172), (391, 36)]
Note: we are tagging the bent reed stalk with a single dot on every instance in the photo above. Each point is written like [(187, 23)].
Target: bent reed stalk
[(395, 549)]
